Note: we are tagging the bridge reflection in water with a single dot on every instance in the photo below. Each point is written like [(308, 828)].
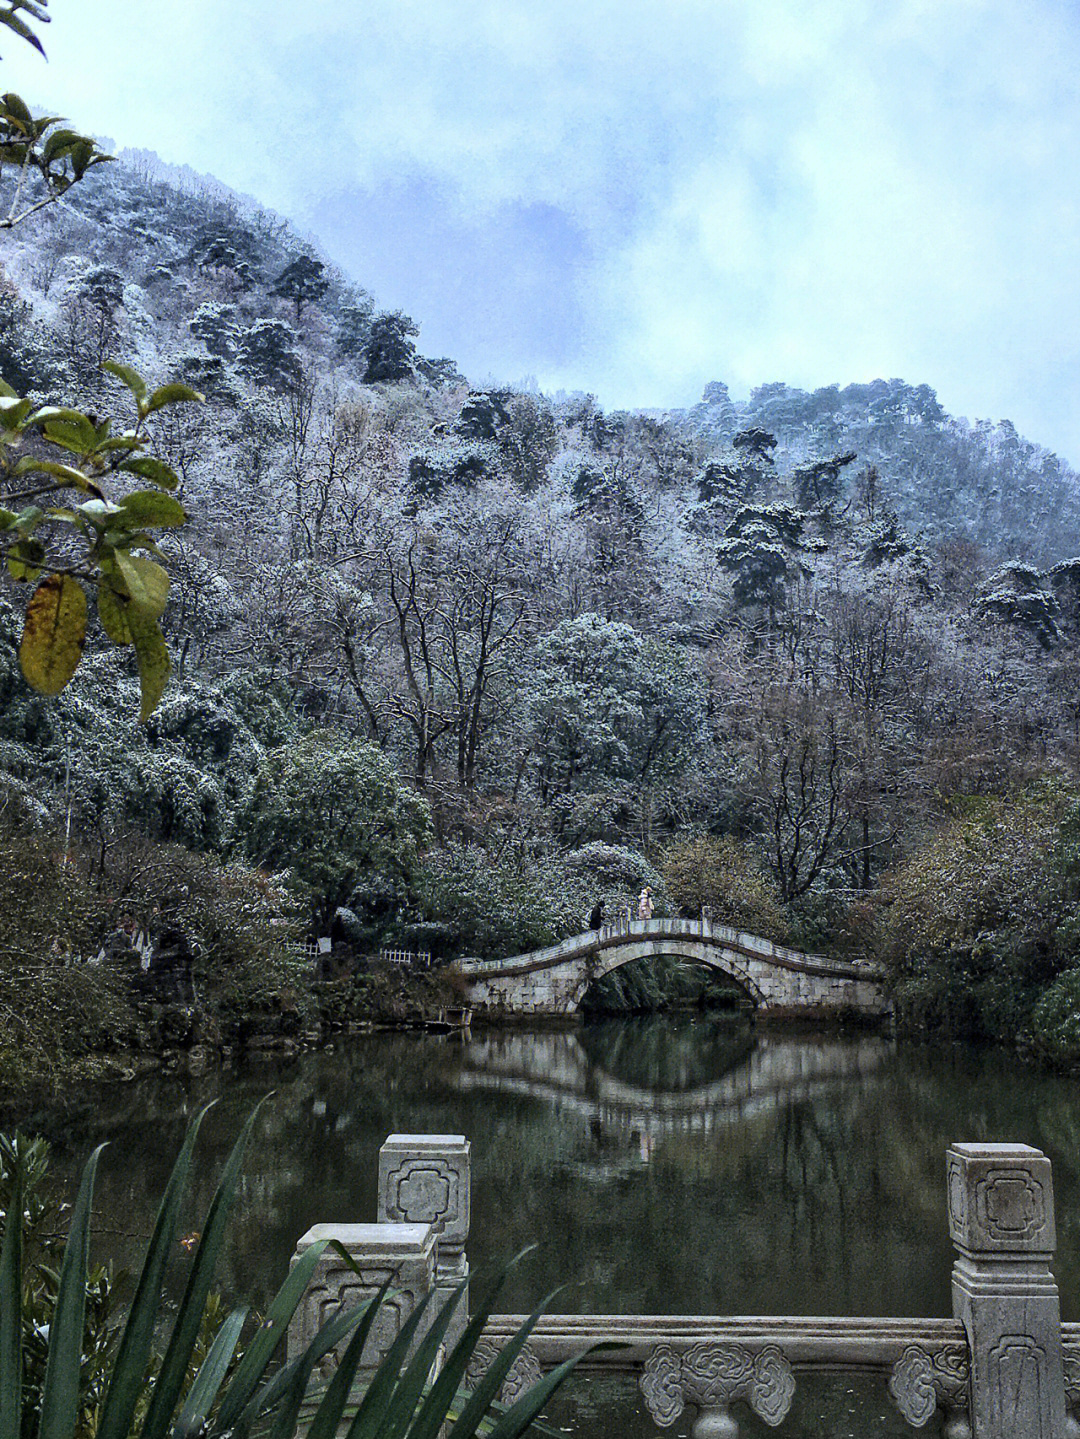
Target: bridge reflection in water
[(757, 1075)]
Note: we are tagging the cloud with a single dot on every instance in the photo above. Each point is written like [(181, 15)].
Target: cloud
[(636, 198), (500, 292)]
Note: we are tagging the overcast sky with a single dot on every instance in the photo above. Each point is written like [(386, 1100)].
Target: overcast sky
[(635, 198)]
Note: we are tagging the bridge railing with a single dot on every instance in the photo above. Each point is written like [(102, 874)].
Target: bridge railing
[(1004, 1367), (623, 927)]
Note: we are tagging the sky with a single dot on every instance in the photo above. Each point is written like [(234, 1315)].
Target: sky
[(636, 198)]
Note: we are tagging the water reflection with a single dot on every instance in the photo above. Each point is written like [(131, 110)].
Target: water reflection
[(664, 1165)]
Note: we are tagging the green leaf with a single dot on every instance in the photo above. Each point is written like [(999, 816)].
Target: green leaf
[(11, 1360), (7, 391), (16, 23), (54, 633), (67, 473), (375, 1408), (7, 519), (520, 1416), (153, 657), (148, 468), (126, 441), (174, 394), (12, 411), (269, 1335), (147, 583), (482, 1397), (24, 559), (28, 519), (134, 381), (59, 146), (185, 1330), (70, 430), (278, 1386), (412, 1382), (60, 1392), (151, 507), (300, 1371), (436, 1407), (112, 612), (15, 107), (83, 156), (328, 1415), (207, 1382), (129, 1365)]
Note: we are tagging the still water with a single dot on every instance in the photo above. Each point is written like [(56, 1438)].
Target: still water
[(663, 1165)]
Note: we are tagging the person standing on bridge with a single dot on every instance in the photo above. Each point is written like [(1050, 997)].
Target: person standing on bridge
[(644, 904), (596, 915)]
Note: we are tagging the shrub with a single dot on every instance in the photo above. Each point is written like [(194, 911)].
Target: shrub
[(1056, 1021), (978, 922), (718, 874), (472, 902)]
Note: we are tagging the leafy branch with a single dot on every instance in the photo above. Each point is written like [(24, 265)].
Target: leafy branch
[(38, 147), (52, 452)]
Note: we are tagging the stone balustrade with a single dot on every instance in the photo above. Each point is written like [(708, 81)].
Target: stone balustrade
[(1003, 1367), (781, 982)]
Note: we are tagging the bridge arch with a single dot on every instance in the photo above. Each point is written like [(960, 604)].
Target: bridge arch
[(615, 957), (778, 980)]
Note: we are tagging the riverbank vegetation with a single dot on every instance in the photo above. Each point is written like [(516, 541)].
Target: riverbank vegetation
[(453, 663)]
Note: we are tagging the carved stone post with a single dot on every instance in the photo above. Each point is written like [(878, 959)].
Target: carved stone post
[(425, 1179), (403, 1253), (1001, 1219)]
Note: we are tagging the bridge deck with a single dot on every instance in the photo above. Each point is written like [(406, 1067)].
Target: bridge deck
[(721, 935)]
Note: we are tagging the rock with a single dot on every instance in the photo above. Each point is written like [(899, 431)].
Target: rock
[(200, 1058)]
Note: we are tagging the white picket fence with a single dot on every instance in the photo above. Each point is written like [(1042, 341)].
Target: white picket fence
[(416, 959)]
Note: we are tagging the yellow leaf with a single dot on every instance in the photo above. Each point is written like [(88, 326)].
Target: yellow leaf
[(53, 634)]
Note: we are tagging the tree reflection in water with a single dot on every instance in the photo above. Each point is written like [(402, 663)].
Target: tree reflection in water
[(666, 1165)]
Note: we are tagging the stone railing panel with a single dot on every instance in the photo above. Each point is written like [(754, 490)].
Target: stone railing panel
[(401, 1253), (1003, 1367)]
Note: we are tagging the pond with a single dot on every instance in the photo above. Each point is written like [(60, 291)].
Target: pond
[(665, 1165)]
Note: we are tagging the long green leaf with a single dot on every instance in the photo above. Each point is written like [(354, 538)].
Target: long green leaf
[(416, 1376), (11, 1364), (375, 1405), (328, 1415), (329, 1337), (519, 1416), (271, 1332), (185, 1330), (60, 1392), (134, 381), (437, 1405), (129, 1367), (212, 1371), (279, 1385), (483, 1396), (288, 1416)]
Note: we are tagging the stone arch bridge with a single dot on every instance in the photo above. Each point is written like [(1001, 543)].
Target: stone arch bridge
[(781, 982)]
